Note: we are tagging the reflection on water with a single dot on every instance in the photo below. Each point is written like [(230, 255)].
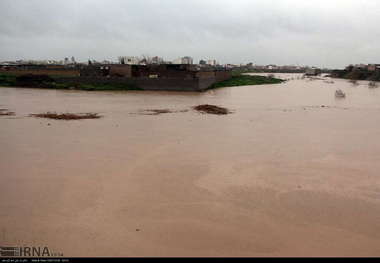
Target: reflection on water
[(242, 184)]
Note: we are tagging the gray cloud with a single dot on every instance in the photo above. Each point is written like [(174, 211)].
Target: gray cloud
[(322, 33)]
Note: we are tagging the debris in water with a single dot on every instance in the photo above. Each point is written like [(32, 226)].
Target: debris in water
[(5, 112), (66, 116), (211, 109), (157, 112)]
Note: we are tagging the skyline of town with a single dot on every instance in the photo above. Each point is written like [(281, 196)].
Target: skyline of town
[(143, 59)]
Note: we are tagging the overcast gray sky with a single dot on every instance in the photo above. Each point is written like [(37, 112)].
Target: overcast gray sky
[(320, 33)]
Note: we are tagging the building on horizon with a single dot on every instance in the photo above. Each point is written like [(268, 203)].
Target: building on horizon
[(129, 60), (158, 60), (184, 60), (211, 62), (202, 62)]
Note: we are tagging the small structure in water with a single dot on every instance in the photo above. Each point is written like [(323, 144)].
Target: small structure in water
[(312, 72), (339, 94)]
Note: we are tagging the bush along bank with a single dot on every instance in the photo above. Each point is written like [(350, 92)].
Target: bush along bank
[(245, 80), (357, 74), (48, 82)]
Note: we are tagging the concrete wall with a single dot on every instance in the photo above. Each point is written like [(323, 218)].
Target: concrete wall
[(193, 84), (168, 84), (205, 74), (185, 74), (181, 74), (204, 83)]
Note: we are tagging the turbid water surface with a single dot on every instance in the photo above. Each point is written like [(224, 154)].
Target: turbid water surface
[(293, 171)]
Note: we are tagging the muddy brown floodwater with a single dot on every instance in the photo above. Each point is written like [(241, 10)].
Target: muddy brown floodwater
[(293, 172)]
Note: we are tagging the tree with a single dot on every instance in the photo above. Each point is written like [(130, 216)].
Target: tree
[(145, 59)]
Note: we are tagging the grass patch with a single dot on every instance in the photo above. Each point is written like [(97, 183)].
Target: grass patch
[(241, 71), (7, 80), (245, 80)]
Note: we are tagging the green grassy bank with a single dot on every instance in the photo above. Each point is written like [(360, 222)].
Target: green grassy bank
[(245, 80)]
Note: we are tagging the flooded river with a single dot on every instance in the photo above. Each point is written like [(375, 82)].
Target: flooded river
[(293, 171)]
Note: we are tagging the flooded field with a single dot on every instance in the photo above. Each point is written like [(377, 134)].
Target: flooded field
[(292, 171)]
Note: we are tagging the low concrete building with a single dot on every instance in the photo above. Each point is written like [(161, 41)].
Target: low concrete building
[(372, 67), (311, 72), (129, 60)]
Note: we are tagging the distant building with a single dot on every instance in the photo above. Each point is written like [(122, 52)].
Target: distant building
[(184, 60), (372, 67), (158, 60), (187, 60), (131, 60), (211, 62), (202, 62), (177, 61), (271, 66)]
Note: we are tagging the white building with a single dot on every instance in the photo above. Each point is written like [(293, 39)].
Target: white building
[(184, 60), (177, 61), (131, 60), (187, 60), (211, 62)]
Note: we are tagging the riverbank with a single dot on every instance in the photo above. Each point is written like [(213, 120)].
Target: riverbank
[(245, 80), (101, 84), (359, 74)]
